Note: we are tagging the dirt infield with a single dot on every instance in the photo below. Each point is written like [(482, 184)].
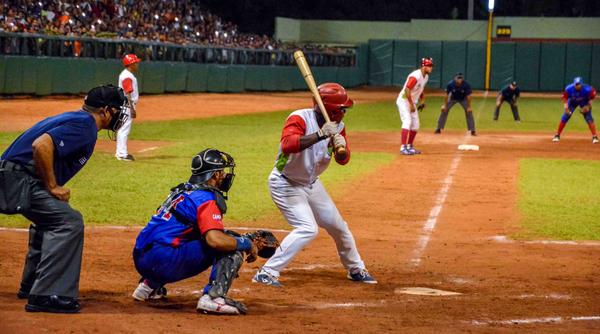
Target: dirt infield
[(437, 220)]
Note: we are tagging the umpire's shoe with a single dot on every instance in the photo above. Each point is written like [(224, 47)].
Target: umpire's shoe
[(52, 304)]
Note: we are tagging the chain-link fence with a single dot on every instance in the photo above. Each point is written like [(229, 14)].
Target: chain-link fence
[(85, 47)]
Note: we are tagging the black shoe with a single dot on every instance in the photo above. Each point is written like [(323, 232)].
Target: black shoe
[(22, 294), (52, 304), (473, 133), (438, 131)]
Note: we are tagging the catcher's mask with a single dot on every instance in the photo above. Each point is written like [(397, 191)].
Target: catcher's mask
[(113, 98), (209, 161)]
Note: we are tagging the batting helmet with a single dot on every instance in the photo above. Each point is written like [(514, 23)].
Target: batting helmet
[(335, 99), (427, 61), (130, 59), (207, 162)]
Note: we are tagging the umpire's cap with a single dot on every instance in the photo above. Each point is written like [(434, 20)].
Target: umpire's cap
[(107, 95)]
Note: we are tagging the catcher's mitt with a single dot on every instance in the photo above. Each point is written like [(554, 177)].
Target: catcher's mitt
[(265, 242)]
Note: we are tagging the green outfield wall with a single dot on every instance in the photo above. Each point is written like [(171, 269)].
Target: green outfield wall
[(45, 75), (352, 32), (536, 66)]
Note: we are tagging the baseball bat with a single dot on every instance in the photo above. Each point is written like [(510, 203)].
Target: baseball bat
[(312, 85)]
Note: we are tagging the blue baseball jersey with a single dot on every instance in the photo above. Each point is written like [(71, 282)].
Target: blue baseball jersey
[(457, 92), (578, 98), (199, 213), (74, 135)]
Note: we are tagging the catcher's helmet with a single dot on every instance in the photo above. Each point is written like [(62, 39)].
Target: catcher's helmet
[(207, 162), (109, 96), (427, 61), (335, 99), (130, 59)]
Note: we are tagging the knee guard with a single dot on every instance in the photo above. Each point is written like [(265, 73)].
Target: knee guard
[(225, 269), (588, 117)]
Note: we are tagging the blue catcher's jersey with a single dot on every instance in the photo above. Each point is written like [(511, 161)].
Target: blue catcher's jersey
[(579, 98), (198, 212)]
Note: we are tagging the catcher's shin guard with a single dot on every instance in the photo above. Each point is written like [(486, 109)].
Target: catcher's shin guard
[(225, 269)]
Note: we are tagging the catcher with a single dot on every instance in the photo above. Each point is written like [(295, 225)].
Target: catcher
[(186, 236)]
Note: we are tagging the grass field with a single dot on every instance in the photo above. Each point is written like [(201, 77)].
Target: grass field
[(559, 199), (110, 192)]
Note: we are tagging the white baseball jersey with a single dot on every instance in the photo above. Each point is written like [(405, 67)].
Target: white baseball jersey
[(305, 166), (128, 83), (417, 89)]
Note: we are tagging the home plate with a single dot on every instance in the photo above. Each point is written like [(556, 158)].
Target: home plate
[(425, 292), (466, 147)]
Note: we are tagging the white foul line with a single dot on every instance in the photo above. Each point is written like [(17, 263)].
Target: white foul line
[(435, 212), (148, 149)]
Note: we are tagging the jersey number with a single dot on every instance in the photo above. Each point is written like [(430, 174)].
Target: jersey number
[(166, 214)]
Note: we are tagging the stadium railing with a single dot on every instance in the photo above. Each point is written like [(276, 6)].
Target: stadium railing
[(26, 44)]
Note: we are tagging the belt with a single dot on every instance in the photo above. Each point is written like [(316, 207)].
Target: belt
[(11, 166)]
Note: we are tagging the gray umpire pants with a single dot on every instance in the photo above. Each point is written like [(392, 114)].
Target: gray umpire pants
[(468, 115), (513, 108), (53, 262)]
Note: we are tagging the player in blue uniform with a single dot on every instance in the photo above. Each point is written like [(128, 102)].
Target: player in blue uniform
[(186, 236), (509, 94), (579, 95)]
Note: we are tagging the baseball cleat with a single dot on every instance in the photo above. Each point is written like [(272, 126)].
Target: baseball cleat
[(52, 304), (144, 292), (595, 140), (361, 275), (556, 138), (413, 150), (473, 133), (265, 278), (219, 305), (129, 158), (405, 151), (437, 131)]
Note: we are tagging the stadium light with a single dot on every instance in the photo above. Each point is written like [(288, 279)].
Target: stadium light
[(176, 19), (129, 25), (83, 14), (99, 21), (70, 21), (491, 5), (156, 16), (197, 33), (40, 3), (225, 34)]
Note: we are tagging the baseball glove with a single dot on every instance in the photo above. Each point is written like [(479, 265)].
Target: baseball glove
[(266, 243)]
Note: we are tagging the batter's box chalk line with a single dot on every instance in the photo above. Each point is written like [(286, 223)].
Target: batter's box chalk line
[(526, 321), (422, 291), (505, 240)]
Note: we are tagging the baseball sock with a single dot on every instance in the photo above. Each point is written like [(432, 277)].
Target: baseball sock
[(411, 136), (561, 126), (592, 127), (405, 133)]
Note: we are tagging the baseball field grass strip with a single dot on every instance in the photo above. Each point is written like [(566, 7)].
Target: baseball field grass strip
[(110, 192), (559, 199)]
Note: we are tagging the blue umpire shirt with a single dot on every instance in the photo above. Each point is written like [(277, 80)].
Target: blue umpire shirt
[(457, 92), (508, 94), (74, 135)]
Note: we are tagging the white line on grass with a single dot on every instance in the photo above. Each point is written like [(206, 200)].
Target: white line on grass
[(505, 240), (439, 202), (148, 149)]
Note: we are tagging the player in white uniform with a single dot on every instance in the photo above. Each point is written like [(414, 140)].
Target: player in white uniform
[(305, 151), (128, 83), (409, 101)]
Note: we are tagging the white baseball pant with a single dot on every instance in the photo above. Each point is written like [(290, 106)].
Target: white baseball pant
[(410, 120), (306, 208), (122, 135)]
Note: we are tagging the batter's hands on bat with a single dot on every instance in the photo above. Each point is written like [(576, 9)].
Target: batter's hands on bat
[(329, 129), (339, 141), (61, 193)]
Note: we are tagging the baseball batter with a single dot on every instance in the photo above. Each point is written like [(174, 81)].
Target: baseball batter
[(305, 152), (128, 82), (411, 99), (579, 95)]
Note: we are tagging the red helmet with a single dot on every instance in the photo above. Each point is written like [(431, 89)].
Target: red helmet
[(130, 59), (335, 99), (427, 61)]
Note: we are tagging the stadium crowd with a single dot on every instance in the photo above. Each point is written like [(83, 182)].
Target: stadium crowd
[(171, 21)]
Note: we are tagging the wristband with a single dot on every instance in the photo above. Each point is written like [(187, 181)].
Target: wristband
[(320, 135), (243, 244)]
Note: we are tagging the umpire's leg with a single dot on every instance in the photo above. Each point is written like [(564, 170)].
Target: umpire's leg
[(444, 115), (515, 110), (468, 115), (59, 260), (31, 260), (499, 100)]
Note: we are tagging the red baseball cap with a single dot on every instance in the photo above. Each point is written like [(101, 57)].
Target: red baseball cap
[(130, 59)]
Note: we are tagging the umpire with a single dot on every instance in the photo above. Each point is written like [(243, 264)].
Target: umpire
[(33, 172), (510, 94), (457, 91)]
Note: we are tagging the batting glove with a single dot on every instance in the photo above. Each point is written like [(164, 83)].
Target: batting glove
[(328, 129), (339, 141)]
